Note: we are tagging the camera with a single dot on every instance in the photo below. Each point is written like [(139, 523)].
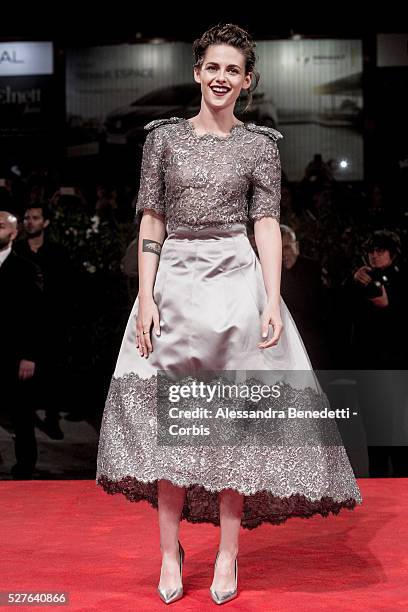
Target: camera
[(378, 279)]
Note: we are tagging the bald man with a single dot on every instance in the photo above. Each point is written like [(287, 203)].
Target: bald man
[(8, 233), (20, 320)]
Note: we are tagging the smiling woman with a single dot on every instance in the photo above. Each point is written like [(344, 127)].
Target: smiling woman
[(221, 83), (213, 68), (207, 303), (224, 71)]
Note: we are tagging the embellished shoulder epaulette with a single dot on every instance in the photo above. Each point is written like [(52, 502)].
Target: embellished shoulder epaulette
[(262, 129), (156, 122)]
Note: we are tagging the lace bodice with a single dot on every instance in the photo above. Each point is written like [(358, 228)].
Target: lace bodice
[(201, 180)]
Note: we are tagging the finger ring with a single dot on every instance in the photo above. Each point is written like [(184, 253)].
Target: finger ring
[(146, 332)]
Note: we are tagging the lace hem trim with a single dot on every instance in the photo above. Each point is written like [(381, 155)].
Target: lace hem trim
[(269, 508)]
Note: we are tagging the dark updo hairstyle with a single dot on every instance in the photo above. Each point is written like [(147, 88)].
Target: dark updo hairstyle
[(229, 34)]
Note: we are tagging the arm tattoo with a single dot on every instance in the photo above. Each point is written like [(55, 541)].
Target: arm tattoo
[(151, 246)]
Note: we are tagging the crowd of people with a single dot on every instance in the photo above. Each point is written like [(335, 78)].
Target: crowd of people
[(69, 276)]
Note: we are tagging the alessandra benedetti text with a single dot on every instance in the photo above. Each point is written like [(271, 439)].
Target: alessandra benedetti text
[(269, 413)]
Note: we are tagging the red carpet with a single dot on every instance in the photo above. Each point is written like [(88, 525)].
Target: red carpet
[(104, 551)]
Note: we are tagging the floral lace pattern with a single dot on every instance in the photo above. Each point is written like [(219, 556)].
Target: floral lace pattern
[(277, 482), (201, 183), (203, 180)]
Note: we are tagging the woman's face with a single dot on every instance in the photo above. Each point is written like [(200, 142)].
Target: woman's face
[(222, 76)]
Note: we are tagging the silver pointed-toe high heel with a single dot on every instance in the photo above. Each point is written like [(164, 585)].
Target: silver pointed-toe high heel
[(220, 597), (170, 595)]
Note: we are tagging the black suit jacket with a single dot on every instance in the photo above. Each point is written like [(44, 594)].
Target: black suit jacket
[(21, 311)]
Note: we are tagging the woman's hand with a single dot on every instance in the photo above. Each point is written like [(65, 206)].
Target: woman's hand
[(271, 314), (148, 313)]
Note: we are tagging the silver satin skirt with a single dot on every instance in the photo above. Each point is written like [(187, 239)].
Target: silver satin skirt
[(210, 294)]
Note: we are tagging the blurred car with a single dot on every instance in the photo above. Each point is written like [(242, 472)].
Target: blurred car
[(124, 125)]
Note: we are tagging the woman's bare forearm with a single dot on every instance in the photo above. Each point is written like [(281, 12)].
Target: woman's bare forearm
[(151, 237), (269, 244)]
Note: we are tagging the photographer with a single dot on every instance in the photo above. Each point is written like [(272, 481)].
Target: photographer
[(378, 301), (379, 304)]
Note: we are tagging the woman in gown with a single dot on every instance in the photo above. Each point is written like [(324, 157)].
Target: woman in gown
[(207, 303)]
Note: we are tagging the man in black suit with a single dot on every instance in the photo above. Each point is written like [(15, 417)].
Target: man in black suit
[(20, 319), (56, 273)]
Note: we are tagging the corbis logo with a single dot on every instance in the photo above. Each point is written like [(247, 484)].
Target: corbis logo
[(10, 57)]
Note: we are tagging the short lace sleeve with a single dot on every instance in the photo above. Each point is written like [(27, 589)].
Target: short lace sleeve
[(152, 189), (266, 182)]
